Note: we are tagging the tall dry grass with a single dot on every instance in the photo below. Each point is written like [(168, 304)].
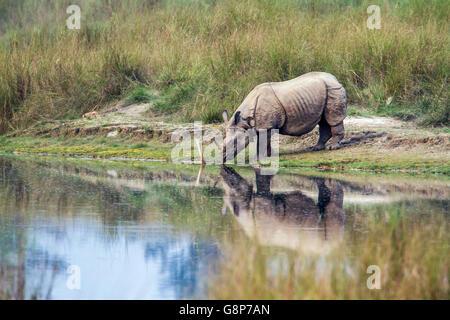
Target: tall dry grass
[(203, 56)]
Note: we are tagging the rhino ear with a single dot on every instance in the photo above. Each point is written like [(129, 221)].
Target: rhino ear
[(225, 116)]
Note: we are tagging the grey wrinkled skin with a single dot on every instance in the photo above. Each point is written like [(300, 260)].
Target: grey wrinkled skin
[(294, 107)]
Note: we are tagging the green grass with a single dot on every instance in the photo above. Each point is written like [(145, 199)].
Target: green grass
[(88, 147), (205, 56), (369, 160), (153, 149), (140, 95)]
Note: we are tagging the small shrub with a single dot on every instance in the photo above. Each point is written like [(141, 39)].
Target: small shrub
[(140, 95), (140, 145)]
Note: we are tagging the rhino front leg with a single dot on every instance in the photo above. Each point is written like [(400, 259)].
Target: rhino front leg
[(324, 135), (337, 133), (260, 153)]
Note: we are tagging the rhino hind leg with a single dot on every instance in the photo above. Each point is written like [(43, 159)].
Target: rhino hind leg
[(324, 135), (337, 133)]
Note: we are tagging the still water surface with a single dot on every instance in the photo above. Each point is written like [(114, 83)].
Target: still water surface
[(157, 231)]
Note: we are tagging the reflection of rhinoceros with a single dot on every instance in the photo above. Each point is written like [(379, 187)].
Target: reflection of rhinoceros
[(293, 107), (289, 219)]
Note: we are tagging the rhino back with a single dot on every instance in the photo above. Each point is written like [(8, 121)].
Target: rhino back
[(295, 106), (329, 79), (303, 100)]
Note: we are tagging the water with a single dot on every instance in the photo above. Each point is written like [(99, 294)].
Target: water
[(144, 231)]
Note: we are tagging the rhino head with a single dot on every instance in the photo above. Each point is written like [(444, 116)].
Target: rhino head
[(236, 134)]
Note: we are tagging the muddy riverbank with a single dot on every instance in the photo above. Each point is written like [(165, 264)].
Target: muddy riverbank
[(370, 144)]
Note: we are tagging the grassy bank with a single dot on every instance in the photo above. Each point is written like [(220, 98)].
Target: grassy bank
[(92, 148), (203, 56), (346, 159)]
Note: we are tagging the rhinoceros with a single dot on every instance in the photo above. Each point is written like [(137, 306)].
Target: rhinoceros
[(294, 107)]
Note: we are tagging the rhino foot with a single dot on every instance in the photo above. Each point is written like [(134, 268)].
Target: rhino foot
[(318, 147), (335, 146)]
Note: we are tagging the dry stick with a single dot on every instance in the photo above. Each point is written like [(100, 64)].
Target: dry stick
[(197, 183)]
